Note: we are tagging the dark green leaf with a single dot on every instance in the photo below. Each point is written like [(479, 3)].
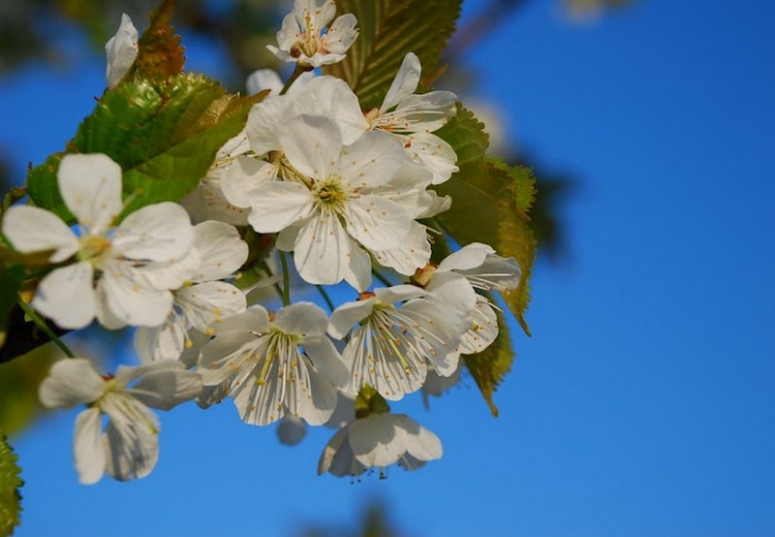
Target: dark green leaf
[(12, 278), (388, 30)]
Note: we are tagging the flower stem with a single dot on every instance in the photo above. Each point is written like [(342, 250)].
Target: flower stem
[(45, 328), (326, 297), (296, 72), (286, 280)]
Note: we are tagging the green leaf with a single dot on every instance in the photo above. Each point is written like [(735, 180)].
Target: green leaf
[(490, 201), (12, 278), (163, 135), (10, 482), (388, 30), (489, 367)]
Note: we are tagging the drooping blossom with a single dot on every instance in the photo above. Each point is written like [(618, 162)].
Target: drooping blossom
[(128, 448), (275, 365)]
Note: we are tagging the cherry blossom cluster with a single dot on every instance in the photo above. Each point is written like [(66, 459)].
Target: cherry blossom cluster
[(345, 192)]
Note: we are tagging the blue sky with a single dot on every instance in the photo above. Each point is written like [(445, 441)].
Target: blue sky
[(642, 405)]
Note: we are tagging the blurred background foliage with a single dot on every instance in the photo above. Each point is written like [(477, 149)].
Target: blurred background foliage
[(32, 32)]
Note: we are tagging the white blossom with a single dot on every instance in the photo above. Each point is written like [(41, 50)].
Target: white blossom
[(337, 203), (377, 441), (128, 448), (273, 366), (132, 262), (398, 335), (307, 39), (413, 117)]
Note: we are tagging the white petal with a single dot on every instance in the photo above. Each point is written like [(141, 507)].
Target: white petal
[(372, 160), (404, 83), (265, 123), (224, 356), (312, 144), (242, 179), (326, 359), (71, 382), (207, 304), (348, 315), (340, 35), (377, 223), (323, 250), (32, 229), (420, 442), (221, 248), (164, 342), (131, 443), (66, 295), (376, 441), (332, 97), (125, 295), (264, 79), (168, 387), (484, 329), (160, 232), (413, 253), (338, 458), (254, 319), (427, 112), (433, 153), (279, 205), (88, 453), (121, 50), (468, 257), (91, 188), (302, 318)]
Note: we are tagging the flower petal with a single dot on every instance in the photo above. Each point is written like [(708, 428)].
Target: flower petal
[(88, 453), (221, 248), (91, 188), (32, 229), (69, 383), (160, 232), (121, 50), (404, 83), (66, 295)]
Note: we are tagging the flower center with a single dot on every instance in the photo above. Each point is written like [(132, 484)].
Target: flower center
[(93, 247), (330, 195)]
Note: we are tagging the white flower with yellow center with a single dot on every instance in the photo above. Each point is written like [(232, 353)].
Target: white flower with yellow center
[(336, 203), (129, 446), (129, 261), (274, 366), (307, 39), (399, 334)]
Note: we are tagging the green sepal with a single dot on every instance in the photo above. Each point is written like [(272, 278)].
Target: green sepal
[(369, 401), (10, 482), (163, 135), (489, 367), (387, 31)]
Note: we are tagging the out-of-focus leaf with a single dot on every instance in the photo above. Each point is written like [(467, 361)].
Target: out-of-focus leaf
[(19, 381), (10, 482), (163, 135), (388, 30), (489, 367)]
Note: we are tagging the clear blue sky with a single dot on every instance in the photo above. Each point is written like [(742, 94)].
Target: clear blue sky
[(644, 402)]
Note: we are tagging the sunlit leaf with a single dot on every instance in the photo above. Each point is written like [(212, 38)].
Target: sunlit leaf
[(163, 135), (388, 30), (10, 482)]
